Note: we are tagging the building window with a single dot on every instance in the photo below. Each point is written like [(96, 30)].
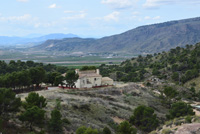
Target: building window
[(83, 81), (95, 79), (88, 82)]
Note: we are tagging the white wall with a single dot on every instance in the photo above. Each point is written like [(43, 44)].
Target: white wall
[(82, 83)]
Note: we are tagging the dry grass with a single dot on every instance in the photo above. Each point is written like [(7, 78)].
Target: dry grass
[(102, 106), (196, 81)]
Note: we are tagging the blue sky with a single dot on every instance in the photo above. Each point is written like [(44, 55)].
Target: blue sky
[(89, 18)]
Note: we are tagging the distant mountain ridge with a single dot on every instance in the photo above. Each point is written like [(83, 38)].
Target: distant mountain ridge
[(144, 39), (12, 41)]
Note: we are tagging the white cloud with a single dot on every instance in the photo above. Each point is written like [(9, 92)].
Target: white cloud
[(22, 0), (158, 3), (113, 16), (24, 17), (156, 18), (119, 4), (69, 11), (152, 18), (147, 17), (44, 24), (36, 25), (76, 15), (135, 13), (53, 6)]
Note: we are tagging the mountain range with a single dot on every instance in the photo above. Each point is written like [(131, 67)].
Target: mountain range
[(144, 39), (13, 41)]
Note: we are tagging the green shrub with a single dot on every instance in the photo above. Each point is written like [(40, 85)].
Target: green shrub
[(166, 131), (144, 118), (66, 121), (106, 130), (153, 132), (126, 128), (85, 130), (1, 123), (188, 119), (179, 109)]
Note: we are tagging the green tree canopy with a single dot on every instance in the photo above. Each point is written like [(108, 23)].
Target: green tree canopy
[(55, 123), (37, 75), (1, 124), (33, 115), (106, 130), (144, 118), (85, 130), (34, 99), (81, 130), (170, 92), (84, 68), (180, 109), (58, 80), (8, 101), (51, 77), (71, 77), (126, 128)]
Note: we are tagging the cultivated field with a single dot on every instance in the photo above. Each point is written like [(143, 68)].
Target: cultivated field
[(63, 58)]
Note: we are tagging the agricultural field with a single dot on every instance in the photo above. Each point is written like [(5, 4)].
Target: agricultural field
[(64, 59)]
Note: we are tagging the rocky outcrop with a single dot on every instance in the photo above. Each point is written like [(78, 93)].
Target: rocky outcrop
[(193, 128)]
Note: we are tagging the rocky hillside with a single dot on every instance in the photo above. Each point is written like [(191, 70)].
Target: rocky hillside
[(144, 39), (101, 107)]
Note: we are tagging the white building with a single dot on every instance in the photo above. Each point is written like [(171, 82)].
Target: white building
[(91, 78)]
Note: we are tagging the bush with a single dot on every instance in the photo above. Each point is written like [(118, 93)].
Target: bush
[(188, 119), (34, 99), (179, 109), (106, 130), (170, 92), (126, 128), (144, 118), (166, 131), (66, 121), (81, 130), (85, 130), (148, 84), (153, 132), (1, 123), (55, 123)]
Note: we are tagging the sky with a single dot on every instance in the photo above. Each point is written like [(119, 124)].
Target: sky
[(89, 18)]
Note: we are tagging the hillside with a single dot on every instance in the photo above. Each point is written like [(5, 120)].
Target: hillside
[(145, 39), (101, 107), (179, 65), (156, 81)]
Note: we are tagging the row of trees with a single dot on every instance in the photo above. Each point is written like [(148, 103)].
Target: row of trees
[(23, 75), (15, 66), (35, 76), (24, 78)]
